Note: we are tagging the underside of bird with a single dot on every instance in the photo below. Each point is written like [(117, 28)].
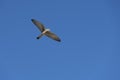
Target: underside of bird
[(43, 33)]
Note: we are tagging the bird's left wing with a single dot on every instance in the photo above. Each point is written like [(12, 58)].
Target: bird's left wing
[(53, 36), (38, 24)]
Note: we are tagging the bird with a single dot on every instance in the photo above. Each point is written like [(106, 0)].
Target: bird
[(45, 31)]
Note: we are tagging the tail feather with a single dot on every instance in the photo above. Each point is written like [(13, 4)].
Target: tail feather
[(39, 36)]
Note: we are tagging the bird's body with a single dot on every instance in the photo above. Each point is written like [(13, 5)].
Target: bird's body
[(45, 31)]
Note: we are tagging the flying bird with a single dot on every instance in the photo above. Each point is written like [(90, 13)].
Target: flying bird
[(45, 31)]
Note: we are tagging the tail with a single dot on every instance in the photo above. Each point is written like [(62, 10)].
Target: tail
[(39, 36)]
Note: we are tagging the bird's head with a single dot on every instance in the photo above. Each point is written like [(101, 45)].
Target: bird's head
[(47, 29)]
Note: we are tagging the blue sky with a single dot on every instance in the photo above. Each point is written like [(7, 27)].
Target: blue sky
[(89, 30)]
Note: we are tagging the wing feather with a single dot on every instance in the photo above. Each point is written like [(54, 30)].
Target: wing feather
[(52, 36), (38, 24)]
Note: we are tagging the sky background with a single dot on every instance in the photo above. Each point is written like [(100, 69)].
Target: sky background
[(90, 34)]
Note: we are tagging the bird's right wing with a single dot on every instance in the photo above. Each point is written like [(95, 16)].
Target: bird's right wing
[(52, 36), (38, 24)]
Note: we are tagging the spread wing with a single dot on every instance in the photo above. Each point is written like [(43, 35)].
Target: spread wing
[(38, 24), (53, 36)]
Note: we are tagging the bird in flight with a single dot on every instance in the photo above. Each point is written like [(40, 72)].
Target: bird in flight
[(45, 31)]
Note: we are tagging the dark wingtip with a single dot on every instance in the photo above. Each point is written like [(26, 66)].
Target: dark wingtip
[(37, 37), (59, 40), (32, 19)]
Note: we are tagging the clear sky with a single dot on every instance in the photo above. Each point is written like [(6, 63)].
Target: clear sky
[(90, 34)]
